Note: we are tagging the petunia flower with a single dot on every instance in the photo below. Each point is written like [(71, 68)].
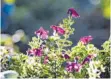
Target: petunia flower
[(86, 39), (72, 66), (73, 13), (65, 56), (46, 59), (42, 33), (76, 66), (35, 52), (58, 29), (69, 67), (87, 59)]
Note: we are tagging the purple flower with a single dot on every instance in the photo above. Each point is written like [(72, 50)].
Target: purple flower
[(42, 33), (72, 66), (65, 56), (46, 59), (76, 66), (87, 59), (86, 39), (69, 67), (58, 29), (35, 52), (73, 13)]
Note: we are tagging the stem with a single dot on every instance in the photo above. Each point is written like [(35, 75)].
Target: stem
[(55, 69), (70, 17), (41, 59)]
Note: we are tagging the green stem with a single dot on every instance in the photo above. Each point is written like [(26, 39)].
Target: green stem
[(55, 69)]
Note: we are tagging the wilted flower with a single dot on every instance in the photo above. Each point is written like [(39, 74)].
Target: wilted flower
[(58, 29), (42, 33), (35, 52), (46, 59), (73, 13), (86, 39)]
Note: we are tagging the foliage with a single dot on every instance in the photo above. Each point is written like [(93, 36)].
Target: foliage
[(50, 57), (105, 4)]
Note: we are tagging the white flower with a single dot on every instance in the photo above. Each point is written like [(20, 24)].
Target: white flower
[(31, 60), (46, 50)]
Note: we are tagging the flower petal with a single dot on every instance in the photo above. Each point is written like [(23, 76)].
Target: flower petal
[(73, 13)]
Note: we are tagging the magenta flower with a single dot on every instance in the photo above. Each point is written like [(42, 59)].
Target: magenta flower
[(35, 52), (65, 56), (86, 39), (69, 67), (72, 66), (46, 59), (73, 13), (42, 33), (76, 66), (87, 59), (58, 29)]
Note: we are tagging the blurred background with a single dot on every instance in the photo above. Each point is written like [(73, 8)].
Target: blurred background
[(20, 18)]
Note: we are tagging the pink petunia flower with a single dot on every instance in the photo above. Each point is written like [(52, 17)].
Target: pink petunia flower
[(76, 66), (86, 39), (72, 66), (35, 52), (73, 13), (69, 67), (42, 33), (58, 29), (46, 59)]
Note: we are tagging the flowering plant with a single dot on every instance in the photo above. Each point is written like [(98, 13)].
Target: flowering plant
[(50, 56)]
